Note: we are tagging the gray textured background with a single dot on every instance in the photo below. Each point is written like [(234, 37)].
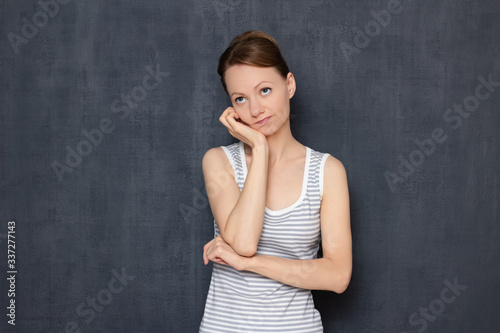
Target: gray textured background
[(137, 201)]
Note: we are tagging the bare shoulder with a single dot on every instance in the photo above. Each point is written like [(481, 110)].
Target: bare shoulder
[(215, 160), (212, 154), (334, 167), (335, 175)]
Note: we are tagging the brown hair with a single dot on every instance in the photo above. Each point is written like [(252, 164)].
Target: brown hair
[(255, 48)]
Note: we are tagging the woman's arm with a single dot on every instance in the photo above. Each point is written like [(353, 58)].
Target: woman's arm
[(333, 271), (239, 215), (246, 221)]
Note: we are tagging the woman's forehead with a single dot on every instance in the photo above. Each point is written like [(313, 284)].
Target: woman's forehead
[(246, 77)]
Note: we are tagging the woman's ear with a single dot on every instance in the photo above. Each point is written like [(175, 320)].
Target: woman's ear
[(290, 82)]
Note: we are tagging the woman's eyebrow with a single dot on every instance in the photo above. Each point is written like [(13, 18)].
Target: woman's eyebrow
[(261, 83), (258, 84)]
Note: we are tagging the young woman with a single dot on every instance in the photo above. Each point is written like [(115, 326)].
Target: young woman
[(274, 201)]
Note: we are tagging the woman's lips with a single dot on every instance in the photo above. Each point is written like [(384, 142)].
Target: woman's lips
[(263, 121)]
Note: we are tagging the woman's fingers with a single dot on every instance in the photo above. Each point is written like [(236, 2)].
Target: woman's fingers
[(206, 249), (229, 120), (241, 130), (223, 119), (213, 251), (220, 261), (209, 248), (232, 123)]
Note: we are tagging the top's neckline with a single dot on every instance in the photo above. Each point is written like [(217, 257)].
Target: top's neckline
[(304, 180)]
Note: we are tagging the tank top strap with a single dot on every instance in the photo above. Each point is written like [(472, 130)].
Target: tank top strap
[(316, 174), (233, 153)]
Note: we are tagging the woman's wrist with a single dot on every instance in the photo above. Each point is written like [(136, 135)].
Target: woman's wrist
[(259, 142), (246, 263), (261, 146)]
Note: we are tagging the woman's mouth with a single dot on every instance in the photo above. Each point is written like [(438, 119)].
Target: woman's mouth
[(263, 121)]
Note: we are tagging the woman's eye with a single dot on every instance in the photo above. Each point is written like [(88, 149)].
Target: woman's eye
[(266, 91), (239, 99)]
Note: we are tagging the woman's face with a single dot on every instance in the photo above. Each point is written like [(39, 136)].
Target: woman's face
[(260, 92)]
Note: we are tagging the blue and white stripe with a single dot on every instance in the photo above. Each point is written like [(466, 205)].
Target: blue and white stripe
[(244, 301)]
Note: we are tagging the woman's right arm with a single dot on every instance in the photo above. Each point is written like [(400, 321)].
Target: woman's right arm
[(238, 214)]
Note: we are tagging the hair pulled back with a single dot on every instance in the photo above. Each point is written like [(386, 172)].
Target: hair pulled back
[(254, 48)]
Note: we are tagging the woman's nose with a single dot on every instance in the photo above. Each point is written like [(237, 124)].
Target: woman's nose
[(256, 108)]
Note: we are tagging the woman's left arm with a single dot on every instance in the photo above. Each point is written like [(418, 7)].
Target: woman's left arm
[(333, 271)]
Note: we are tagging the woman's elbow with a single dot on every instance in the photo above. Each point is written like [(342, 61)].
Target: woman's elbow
[(242, 245), (342, 284), (245, 250)]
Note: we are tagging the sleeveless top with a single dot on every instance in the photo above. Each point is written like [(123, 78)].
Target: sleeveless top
[(244, 301)]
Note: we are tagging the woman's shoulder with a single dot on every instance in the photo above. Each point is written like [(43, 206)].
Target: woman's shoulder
[(219, 150), (331, 163), (334, 170), (334, 163), (217, 153), (325, 155), (219, 158)]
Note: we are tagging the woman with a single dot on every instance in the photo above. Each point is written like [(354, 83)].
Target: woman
[(266, 244)]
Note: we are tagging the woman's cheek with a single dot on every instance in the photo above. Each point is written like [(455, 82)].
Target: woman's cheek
[(240, 115)]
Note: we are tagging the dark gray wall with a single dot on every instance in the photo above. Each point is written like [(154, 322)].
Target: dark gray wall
[(136, 201)]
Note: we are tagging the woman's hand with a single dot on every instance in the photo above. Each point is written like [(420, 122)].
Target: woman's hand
[(221, 252), (240, 130)]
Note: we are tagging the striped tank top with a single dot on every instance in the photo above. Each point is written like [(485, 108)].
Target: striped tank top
[(244, 301)]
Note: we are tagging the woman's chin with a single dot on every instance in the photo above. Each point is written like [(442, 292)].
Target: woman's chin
[(265, 131)]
